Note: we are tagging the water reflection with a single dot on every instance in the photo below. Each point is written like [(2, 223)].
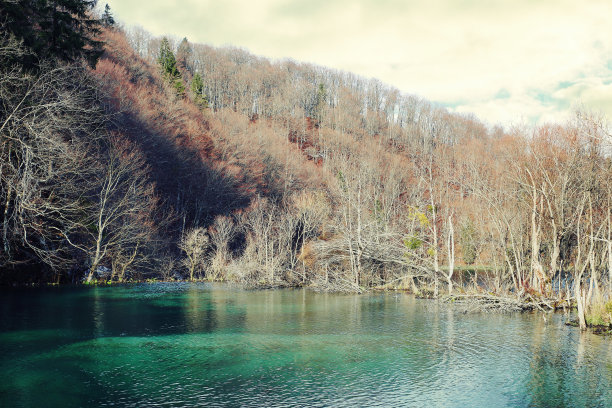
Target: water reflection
[(201, 310), (192, 344)]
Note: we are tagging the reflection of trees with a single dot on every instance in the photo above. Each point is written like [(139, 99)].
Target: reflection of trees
[(200, 310), (559, 377)]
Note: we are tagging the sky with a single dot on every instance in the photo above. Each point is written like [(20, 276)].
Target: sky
[(507, 61)]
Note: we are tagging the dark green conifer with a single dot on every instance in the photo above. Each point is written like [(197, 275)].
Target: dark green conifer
[(197, 88), (167, 62), (319, 105), (62, 29), (107, 18)]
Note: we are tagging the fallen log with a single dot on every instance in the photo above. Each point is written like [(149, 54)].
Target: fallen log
[(478, 302)]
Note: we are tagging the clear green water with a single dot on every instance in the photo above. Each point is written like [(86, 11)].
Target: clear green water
[(183, 345)]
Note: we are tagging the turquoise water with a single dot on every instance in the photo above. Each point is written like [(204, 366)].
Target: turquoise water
[(183, 345)]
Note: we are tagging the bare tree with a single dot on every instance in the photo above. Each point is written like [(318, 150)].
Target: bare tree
[(195, 244), (120, 208), (222, 232), (51, 124)]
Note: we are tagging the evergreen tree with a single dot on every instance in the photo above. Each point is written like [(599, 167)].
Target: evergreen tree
[(179, 86), (319, 106), (197, 88), (167, 62), (62, 29), (468, 237), (107, 18)]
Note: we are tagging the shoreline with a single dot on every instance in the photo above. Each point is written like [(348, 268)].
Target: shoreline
[(464, 301)]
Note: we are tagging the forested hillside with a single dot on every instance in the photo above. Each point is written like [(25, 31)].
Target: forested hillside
[(167, 161)]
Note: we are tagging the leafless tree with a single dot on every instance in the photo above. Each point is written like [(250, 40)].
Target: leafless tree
[(51, 125), (120, 210), (195, 244)]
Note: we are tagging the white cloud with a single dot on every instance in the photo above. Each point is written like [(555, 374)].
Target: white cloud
[(459, 53), (593, 92), (514, 110)]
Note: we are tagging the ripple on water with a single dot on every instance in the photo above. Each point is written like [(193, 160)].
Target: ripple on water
[(195, 345)]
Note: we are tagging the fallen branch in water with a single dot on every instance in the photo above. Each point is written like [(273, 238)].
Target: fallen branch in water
[(337, 286), (488, 302)]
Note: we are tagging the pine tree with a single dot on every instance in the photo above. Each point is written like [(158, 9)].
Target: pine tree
[(468, 237), (167, 62), (107, 18), (179, 86), (197, 88), (62, 29), (319, 106)]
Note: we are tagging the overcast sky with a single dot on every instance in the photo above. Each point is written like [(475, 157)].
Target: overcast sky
[(507, 61)]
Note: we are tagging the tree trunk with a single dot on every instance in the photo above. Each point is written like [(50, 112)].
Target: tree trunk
[(536, 267), (579, 291), (96, 259), (580, 303), (609, 249), (359, 239), (556, 251), (435, 247), (610, 265), (451, 255), (5, 220)]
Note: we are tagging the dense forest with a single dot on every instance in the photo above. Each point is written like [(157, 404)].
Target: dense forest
[(128, 157)]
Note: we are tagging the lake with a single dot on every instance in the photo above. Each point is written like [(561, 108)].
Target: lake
[(183, 345)]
